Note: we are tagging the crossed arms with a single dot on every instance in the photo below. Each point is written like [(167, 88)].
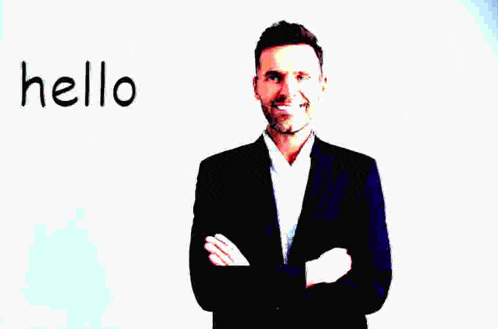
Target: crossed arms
[(341, 278), (328, 268)]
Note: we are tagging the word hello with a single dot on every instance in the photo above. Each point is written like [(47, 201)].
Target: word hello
[(56, 91)]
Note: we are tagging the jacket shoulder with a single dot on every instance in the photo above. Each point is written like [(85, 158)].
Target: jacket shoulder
[(231, 155), (233, 158), (341, 154)]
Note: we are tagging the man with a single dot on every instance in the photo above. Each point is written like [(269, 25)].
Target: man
[(289, 232)]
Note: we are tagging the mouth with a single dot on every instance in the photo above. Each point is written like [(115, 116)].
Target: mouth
[(288, 107)]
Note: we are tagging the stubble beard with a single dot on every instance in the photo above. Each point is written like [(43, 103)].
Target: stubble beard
[(282, 125)]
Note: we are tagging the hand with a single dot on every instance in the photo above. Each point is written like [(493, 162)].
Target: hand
[(329, 267), (223, 252)]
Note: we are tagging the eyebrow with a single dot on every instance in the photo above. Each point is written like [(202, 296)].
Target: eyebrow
[(273, 72)]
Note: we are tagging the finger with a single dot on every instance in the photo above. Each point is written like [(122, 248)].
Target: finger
[(222, 244), (218, 255), (218, 244), (310, 284), (216, 260), (223, 239), (346, 260), (349, 263), (214, 250), (227, 249), (346, 266)]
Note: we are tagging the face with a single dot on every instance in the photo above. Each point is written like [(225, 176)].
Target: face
[(288, 84)]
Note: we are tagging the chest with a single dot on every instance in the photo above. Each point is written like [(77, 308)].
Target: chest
[(329, 216)]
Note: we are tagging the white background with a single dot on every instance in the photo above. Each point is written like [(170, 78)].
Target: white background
[(412, 84)]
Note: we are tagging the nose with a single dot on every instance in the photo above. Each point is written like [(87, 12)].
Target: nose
[(289, 88)]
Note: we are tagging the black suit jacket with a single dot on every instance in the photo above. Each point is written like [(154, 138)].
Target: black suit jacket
[(343, 207)]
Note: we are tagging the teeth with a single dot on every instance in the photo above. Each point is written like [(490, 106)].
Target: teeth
[(288, 107)]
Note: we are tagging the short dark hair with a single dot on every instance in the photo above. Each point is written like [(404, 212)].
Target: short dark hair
[(283, 33)]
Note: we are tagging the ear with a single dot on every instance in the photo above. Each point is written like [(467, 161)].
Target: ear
[(255, 87), (323, 81)]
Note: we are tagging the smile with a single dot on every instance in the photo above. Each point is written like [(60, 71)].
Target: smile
[(288, 108)]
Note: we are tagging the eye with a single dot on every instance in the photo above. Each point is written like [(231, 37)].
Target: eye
[(302, 77), (274, 78)]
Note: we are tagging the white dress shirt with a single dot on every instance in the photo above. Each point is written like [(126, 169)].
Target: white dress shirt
[(289, 186)]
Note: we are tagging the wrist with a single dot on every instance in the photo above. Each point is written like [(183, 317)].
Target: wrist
[(310, 273)]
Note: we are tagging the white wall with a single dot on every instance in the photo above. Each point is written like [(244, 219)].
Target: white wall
[(412, 84)]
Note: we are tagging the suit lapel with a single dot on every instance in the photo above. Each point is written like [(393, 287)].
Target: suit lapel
[(267, 211), (320, 173), (312, 204)]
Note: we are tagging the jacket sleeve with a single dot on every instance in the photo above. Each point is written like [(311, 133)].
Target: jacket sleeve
[(223, 288), (366, 285)]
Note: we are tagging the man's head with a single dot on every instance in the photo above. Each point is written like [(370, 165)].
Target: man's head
[(283, 33), (289, 78)]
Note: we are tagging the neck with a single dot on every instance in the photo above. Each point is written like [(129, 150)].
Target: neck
[(289, 144)]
